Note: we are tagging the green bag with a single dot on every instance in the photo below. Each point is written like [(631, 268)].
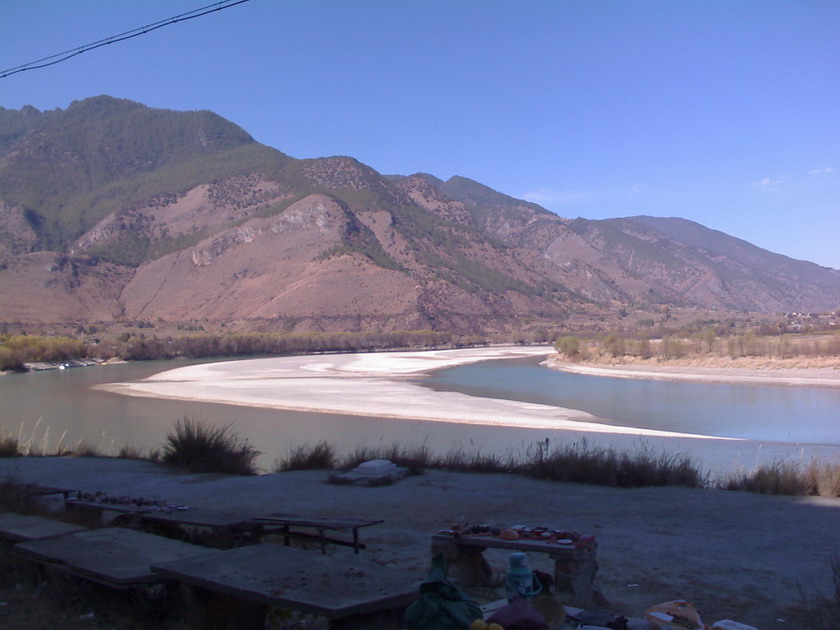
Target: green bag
[(442, 605)]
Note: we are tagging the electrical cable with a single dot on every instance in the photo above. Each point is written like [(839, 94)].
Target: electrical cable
[(64, 56)]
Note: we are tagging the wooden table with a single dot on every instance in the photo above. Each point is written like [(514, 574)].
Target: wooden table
[(289, 525), (241, 584), (575, 563)]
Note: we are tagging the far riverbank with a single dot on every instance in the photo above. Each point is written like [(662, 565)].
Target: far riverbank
[(749, 372)]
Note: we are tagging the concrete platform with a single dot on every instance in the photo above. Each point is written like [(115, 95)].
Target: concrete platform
[(112, 556), (23, 528), (350, 592)]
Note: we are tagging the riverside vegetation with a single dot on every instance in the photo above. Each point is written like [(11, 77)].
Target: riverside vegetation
[(193, 446), (16, 350), (708, 344)]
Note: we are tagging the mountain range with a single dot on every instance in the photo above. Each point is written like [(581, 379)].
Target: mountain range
[(111, 210)]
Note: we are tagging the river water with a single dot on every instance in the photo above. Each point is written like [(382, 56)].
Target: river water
[(45, 409)]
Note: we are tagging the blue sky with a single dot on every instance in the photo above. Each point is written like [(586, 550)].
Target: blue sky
[(726, 113)]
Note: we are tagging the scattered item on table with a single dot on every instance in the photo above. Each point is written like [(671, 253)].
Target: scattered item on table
[(674, 615), (442, 605), (103, 498), (519, 615), (728, 624), (520, 532)]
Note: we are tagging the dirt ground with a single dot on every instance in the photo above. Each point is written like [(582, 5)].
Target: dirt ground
[(734, 555)]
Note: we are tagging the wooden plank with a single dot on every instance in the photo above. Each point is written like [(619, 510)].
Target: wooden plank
[(112, 556), (325, 522), (23, 528), (275, 575), (537, 546)]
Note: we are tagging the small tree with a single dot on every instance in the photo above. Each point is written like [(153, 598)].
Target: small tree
[(614, 344), (568, 346)]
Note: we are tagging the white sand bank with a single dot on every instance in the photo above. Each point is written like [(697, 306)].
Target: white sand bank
[(802, 377), (372, 384)]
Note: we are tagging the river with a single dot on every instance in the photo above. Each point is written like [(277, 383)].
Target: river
[(60, 407)]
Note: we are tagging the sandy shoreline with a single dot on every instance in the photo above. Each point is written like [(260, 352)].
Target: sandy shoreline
[(792, 377), (372, 384)]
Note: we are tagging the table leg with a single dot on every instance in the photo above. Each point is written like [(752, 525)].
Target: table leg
[(574, 579), (467, 565)]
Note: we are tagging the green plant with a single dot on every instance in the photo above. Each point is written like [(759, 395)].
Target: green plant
[(568, 346), (202, 448)]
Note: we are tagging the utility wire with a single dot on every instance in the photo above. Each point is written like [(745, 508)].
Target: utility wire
[(64, 56)]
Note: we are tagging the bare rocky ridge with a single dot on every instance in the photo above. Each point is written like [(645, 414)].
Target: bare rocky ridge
[(113, 210)]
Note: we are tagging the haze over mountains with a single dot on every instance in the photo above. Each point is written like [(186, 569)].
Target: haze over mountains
[(110, 209)]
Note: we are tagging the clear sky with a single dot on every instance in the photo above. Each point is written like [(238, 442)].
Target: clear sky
[(723, 112)]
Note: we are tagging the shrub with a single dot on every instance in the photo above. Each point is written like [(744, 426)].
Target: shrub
[(319, 457), (462, 461), (582, 463), (568, 346), (787, 478), (8, 447), (202, 448)]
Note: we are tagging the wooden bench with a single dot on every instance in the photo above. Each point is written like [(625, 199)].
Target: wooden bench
[(240, 585), (290, 525), (115, 557), (575, 563)]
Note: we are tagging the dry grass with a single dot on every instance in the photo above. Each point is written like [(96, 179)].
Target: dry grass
[(202, 448), (577, 462), (789, 478), (582, 463), (321, 456)]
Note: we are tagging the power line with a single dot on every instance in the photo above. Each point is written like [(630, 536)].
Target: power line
[(64, 56)]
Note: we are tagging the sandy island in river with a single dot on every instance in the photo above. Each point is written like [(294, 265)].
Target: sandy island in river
[(382, 385), (371, 384)]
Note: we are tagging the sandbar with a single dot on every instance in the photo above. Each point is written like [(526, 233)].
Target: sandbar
[(370, 384), (792, 377)]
